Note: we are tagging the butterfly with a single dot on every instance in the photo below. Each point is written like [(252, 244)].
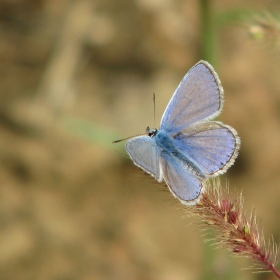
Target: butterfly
[(189, 147)]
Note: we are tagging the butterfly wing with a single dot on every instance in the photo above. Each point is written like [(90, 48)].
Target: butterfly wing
[(212, 145), (198, 97), (181, 182), (145, 154)]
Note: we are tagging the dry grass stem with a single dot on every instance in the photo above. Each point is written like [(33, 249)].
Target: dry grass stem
[(239, 234)]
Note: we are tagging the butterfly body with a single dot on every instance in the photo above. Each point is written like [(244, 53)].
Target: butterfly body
[(189, 147), (170, 146)]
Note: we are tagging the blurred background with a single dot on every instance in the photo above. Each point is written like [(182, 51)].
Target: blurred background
[(76, 75)]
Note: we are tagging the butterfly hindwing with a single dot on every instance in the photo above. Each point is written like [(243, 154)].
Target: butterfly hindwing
[(181, 182), (212, 145)]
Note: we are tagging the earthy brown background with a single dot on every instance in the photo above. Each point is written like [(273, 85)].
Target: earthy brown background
[(76, 75)]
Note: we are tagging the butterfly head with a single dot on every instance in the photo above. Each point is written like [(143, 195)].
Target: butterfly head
[(151, 132)]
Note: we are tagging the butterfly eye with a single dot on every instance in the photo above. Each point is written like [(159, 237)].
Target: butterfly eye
[(151, 132)]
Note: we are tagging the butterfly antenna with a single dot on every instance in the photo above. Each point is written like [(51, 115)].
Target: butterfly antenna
[(154, 99), (116, 141)]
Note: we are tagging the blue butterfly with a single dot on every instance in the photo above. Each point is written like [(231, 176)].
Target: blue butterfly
[(189, 147)]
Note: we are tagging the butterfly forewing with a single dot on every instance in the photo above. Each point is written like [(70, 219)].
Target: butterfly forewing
[(198, 97), (145, 154)]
